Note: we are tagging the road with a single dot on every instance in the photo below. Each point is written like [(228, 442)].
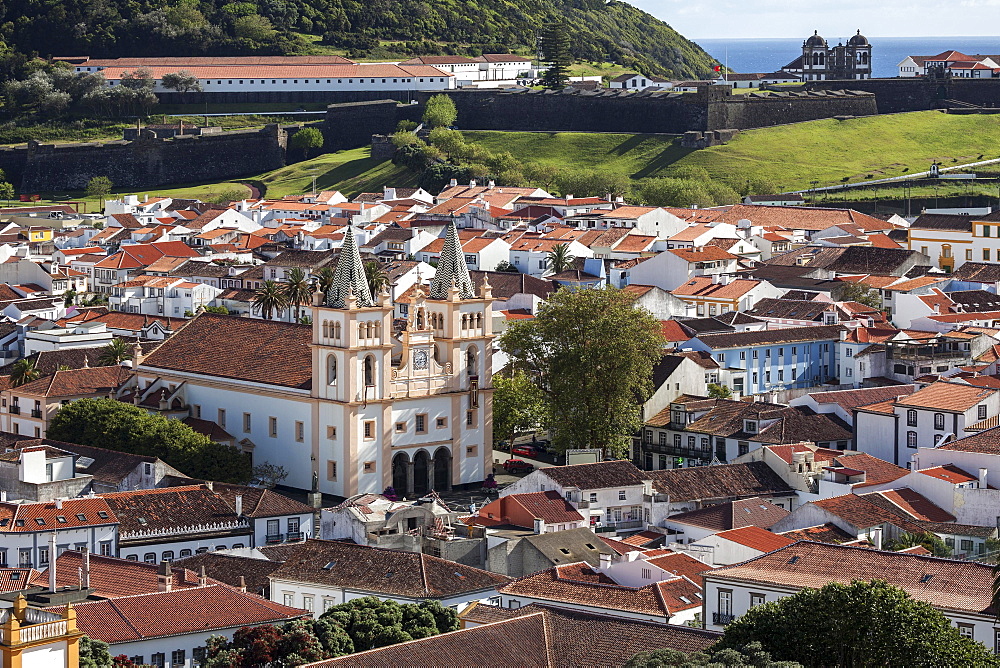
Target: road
[(892, 179)]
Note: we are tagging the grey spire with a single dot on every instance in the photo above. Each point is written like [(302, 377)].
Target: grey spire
[(349, 276), (451, 268)]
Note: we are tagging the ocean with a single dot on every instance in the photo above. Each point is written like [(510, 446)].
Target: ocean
[(768, 55)]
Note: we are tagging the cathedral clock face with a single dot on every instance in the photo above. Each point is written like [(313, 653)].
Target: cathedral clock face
[(420, 359)]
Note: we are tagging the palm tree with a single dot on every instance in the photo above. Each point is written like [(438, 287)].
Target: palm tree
[(24, 371), (296, 289), (324, 280), (376, 276), (560, 259), (114, 353), (270, 298)]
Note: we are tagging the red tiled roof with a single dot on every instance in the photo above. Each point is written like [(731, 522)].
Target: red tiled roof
[(160, 614), (944, 583), (950, 473), (913, 504), (945, 396), (100, 380), (548, 506), (244, 349), (703, 254), (756, 538), (83, 512), (111, 576), (822, 533)]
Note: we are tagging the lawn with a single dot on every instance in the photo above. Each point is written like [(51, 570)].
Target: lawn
[(637, 156), (350, 172), (829, 151)]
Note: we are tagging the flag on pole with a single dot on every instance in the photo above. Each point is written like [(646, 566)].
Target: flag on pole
[(718, 68)]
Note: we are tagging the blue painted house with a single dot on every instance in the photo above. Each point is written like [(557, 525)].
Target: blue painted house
[(771, 360)]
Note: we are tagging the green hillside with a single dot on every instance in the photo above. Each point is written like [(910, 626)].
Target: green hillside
[(601, 30), (831, 151)]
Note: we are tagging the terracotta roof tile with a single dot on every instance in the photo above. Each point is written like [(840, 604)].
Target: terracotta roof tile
[(727, 481), (944, 583), (539, 636), (597, 476), (239, 348), (172, 509), (28, 517), (945, 396), (733, 515), (391, 572), (704, 286), (702, 254), (756, 538), (102, 380), (822, 533), (161, 614)]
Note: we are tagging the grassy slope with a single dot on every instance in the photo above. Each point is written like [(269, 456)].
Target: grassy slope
[(791, 156), (638, 156), (829, 150)]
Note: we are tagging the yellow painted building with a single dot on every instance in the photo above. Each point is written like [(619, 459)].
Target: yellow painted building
[(35, 638)]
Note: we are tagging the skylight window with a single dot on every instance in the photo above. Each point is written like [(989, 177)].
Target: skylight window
[(926, 578), (329, 565), (81, 517), (103, 515), (61, 519), (685, 599), (40, 521), (794, 560)]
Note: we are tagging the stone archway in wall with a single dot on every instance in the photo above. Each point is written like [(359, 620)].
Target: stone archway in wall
[(400, 471), (422, 469), (442, 470)]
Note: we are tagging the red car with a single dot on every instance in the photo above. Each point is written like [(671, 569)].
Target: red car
[(518, 466), (526, 451)]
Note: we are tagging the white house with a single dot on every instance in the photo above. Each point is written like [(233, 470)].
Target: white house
[(735, 545), (161, 295), (29, 532), (530, 255), (672, 268), (632, 81), (609, 494)]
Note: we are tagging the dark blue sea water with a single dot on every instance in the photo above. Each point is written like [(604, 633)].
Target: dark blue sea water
[(768, 55)]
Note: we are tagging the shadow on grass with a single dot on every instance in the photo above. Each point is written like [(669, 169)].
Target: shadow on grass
[(664, 159)]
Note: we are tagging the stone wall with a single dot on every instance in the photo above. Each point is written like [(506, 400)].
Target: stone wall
[(714, 108), (920, 93), (149, 162)]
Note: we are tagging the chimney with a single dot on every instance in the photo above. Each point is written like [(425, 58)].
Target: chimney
[(605, 561), (843, 335), (472, 183), (491, 184), (539, 525), (982, 479), (52, 562), (453, 183), (59, 504), (876, 537), (243, 584), (85, 580), (239, 504), (202, 578), (210, 485), (164, 577), (3, 495)]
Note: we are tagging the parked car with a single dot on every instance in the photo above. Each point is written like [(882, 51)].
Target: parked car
[(526, 451), (518, 466)]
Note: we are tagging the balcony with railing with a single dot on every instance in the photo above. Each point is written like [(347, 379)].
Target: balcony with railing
[(15, 409), (36, 413), (295, 536), (22, 625), (723, 618), (274, 538)]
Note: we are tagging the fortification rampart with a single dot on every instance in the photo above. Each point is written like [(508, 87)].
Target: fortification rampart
[(713, 108), (920, 93), (147, 162)]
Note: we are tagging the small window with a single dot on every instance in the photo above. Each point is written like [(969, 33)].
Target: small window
[(911, 439), (299, 431), (441, 422), (247, 423), (470, 451), (272, 427), (939, 420), (331, 470), (400, 427), (369, 429), (421, 421), (331, 433), (369, 467), (621, 495), (81, 517), (911, 418), (982, 411)]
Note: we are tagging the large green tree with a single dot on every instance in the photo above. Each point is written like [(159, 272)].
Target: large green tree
[(112, 424), (751, 655), (371, 622), (307, 139), (440, 112), (296, 289), (518, 406), (270, 298), (863, 294), (856, 625), (556, 54), (591, 353), (115, 352), (559, 259), (24, 371)]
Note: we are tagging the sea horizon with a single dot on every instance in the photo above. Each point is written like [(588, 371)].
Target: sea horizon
[(768, 54)]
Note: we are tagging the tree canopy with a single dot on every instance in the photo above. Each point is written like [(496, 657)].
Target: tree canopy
[(863, 294), (751, 655), (112, 424), (555, 45), (307, 139), (591, 353), (355, 626), (517, 406), (854, 625), (440, 112)]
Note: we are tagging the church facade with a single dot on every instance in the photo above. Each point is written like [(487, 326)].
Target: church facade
[(345, 404), (819, 61)]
